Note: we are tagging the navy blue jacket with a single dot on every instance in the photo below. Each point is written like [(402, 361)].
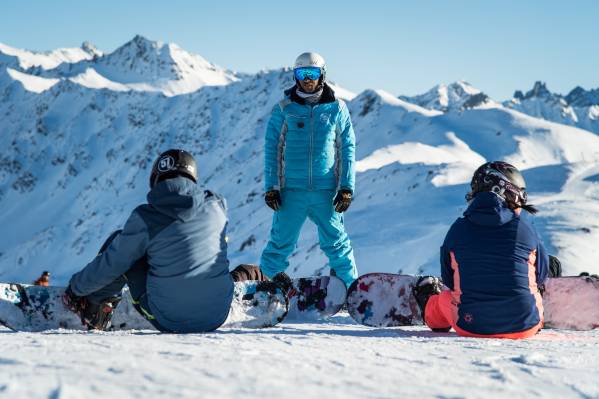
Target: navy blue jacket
[(493, 260), (182, 231)]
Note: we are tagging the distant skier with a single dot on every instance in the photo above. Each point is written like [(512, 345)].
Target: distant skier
[(43, 280), (172, 254), (309, 169), (493, 262)]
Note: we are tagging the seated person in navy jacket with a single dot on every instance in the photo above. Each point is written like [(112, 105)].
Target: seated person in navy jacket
[(493, 262)]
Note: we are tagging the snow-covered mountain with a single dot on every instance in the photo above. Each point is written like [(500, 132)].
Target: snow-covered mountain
[(578, 108), (76, 159), (456, 96), (140, 65), (46, 60)]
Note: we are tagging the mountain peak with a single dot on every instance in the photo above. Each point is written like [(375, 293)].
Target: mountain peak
[(139, 46), (539, 90), (447, 97), (580, 97), (91, 49), (143, 42)]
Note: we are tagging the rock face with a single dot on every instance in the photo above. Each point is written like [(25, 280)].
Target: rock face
[(78, 140), (578, 108)]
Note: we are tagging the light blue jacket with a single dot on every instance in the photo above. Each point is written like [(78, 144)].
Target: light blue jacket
[(310, 147), (182, 231)]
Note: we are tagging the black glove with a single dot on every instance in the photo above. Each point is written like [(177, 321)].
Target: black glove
[(342, 200), (555, 267), (273, 199), (586, 274), (73, 302)]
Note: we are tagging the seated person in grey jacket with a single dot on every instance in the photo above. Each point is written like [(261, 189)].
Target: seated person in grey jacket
[(172, 253)]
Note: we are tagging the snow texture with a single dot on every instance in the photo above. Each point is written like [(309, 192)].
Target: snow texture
[(339, 359)]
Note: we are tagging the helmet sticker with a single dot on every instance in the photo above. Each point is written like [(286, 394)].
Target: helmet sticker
[(166, 163)]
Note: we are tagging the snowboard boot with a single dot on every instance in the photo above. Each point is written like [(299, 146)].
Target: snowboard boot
[(98, 316), (425, 287), (285, 283), (94, 316)]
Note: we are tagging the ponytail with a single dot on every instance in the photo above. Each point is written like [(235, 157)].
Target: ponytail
[(530, 208)]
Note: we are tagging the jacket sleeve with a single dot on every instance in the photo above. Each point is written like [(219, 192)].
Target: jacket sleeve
[(346, 141), (117, 259), (446, 269), (542, 263), (271, 149)]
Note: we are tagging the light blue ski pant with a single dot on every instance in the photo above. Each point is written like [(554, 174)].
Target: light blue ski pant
[(297, 205)]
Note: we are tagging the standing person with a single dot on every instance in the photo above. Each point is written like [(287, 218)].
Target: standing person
[(493, 262), (43, 280), (309, 159), (172, 253)]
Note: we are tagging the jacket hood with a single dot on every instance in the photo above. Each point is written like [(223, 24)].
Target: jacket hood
[(488, 209), (179, 198), (328, 95)]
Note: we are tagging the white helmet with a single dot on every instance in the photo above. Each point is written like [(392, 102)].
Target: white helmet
[(311, 60)]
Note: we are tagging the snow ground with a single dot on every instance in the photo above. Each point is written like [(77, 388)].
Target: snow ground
[(337, 359)]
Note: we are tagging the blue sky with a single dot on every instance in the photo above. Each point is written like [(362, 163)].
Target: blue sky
[(401, 47)]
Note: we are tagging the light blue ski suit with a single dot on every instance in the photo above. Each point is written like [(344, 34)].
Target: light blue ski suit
[(309, 155)]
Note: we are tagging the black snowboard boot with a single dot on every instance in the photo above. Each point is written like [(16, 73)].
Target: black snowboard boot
[(425, 287), (94, 316), (98, 316), (284, 282)]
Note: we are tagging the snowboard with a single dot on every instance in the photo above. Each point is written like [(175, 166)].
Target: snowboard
[(572, 303), (316, 298), (36, 308), (383, 300), (386, 300)]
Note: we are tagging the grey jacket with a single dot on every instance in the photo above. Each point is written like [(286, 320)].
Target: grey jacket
[(182, 232)]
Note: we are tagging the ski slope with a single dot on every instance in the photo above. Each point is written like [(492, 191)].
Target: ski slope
[(338, 359)]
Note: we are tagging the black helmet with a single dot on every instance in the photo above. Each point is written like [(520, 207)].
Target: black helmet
[(503, 179), (173, 163)]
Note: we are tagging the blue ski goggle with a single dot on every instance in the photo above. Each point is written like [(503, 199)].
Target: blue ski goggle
[(303, 73)]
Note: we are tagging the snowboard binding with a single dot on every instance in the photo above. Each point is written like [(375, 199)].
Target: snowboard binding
[(95, 316), (425, 287), (285, 283)]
